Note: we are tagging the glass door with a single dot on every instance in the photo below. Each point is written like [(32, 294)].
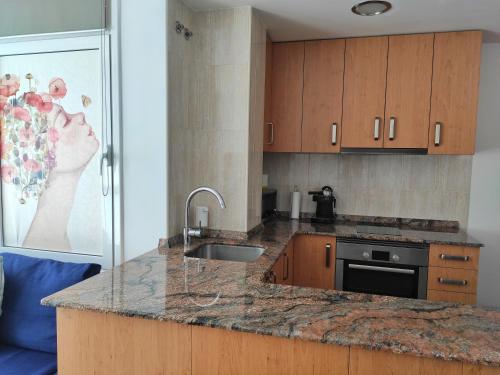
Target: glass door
[(56, 146)]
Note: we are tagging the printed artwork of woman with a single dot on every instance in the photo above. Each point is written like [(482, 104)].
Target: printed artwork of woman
[(44, 151)]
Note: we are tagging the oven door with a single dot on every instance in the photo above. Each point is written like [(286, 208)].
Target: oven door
[(381, 278)]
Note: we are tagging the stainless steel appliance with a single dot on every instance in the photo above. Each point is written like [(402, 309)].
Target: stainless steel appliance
[(379, 267)]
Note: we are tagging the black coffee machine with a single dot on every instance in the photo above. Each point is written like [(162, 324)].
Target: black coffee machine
[(326, 204)]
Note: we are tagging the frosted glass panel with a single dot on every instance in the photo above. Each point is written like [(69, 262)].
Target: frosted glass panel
[(21, 17)]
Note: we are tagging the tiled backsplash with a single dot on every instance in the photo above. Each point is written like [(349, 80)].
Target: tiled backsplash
[(423, 186)]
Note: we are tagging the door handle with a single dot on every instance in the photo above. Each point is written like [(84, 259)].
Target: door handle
[(334, 134), (437, 134), (108, 158), (285, 267), (392, 128), (328, 250), (381, 269), (271, 133), (376, 130)]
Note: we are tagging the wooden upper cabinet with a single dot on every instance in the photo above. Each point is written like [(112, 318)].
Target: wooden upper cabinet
[(455, 91), (364, 92), (268, 109), (323, 87), (408, 97), (284, 133), (314, 261)]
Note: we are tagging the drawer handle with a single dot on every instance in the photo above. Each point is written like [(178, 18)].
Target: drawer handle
[(444, 281), (334, 134), (461, 258), (328, 249)]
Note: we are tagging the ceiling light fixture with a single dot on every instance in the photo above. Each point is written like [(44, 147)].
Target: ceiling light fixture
[(371, 8)]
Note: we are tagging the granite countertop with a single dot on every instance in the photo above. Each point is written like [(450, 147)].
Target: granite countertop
[(164, 285)]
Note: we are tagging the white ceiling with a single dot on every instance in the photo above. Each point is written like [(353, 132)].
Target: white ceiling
[(316, 19)]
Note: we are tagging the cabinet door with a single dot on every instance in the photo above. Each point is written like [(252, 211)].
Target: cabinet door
[(268, 96), (408, 98), (314, 261), (287, 87), (283, 268), (364, 92), (323, 89), (455, 90)]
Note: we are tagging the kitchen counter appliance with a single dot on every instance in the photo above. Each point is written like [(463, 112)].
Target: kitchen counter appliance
[(326, 204), (381, 267)]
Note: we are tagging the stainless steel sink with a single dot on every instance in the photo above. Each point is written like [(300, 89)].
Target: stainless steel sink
[(233, 253)]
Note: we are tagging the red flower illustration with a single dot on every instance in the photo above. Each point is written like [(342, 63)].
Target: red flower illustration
[(9, 85), (21, 114), (57, 88), (42, 102), (3, 102)]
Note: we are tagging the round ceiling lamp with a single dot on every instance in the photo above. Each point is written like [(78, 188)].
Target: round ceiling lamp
[(371, 8)]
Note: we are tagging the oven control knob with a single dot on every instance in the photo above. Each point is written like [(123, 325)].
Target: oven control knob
[(366, 255), (395, 258)]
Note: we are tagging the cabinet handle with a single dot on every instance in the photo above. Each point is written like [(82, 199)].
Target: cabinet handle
[(376, 131), (271, 133), (328, 249), (334, 134), (461, 258), (444, 281), (392, 128), (437, 134), (285, 267)]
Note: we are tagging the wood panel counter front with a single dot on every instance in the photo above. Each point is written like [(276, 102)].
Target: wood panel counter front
[(106, 343)]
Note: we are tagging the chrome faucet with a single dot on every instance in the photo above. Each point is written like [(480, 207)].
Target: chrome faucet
[(196, 232)]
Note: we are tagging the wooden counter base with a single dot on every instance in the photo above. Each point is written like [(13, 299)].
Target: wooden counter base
[(100, 343)]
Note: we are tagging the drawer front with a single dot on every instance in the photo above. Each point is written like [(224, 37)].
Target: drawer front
[(452, 280), (454, 257), (439, 295)]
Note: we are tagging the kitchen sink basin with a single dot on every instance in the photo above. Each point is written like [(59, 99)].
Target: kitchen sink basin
[(232, 253)]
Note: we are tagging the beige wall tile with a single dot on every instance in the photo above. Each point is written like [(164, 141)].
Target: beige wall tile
[(413, 186)]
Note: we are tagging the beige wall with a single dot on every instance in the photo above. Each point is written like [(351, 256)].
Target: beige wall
[(210, 121), (257, 91), (426, 187)]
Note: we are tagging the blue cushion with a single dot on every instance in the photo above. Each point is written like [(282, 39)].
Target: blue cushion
[(24, 322), (16, 361), (1, 284)]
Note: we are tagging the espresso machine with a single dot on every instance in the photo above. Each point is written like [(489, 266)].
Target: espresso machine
[(325, 205)]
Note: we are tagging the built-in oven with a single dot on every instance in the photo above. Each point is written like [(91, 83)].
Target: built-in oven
[(379, 267)]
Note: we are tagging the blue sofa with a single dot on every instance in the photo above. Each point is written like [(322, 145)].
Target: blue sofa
[(28, 341)]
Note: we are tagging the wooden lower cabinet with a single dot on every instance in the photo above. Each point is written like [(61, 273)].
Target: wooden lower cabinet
[(314, 261), (100, 343), (220, 352), (439, 295), (453, 273), (363, 362), (282, 272)]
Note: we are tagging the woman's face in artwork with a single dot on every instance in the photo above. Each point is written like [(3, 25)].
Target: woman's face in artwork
[(72, 139)]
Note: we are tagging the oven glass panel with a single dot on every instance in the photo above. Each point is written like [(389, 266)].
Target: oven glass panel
[(380, 282)]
